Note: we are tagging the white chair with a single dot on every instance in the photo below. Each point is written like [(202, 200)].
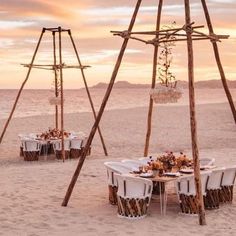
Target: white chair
[(31, 149), (75, 148), (22, 137), (145, 160), (227, 185), (57, 146), (187, 193), (79, 134), (207, 161), (133, 164), (114, 167), (133, 195), (84, 142), (32, 135), (212, 200)]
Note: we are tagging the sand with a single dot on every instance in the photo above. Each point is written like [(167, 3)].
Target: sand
[(31, 193)]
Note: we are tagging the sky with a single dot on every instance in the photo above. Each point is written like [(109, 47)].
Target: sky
[(91, 21)]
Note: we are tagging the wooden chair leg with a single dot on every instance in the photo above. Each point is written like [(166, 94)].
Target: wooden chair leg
[(212, 199), (75, 153), (112, 194), (188, 204), (132, 207), (21, 152), (226, 194), (31, 156), (59, 155)]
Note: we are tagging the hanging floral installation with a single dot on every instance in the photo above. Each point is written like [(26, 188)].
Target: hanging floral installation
[(56, 88), (166, 91)]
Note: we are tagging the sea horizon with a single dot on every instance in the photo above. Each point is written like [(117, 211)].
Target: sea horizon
[(33, 103)]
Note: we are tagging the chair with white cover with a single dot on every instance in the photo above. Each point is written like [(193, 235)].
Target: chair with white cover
[(114, 167), (31, 149), (187, 193), (212, 200), (227, 185), (57, 145), (133, 195), (145, 160), (22, 137), (75, 148), (205, 161), (133, 164), (84, 142)]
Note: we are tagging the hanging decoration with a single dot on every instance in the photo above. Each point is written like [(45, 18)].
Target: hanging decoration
[(166, 91), (56, 89)]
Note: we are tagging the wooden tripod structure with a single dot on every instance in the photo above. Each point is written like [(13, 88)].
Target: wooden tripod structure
[(190, 34), (57, 67)]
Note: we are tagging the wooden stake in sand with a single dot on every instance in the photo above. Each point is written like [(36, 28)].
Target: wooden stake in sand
[(21, 88), (56, 78), (154, 76), (62, 99), (88, 93), (193, 122), (102, 108), (218, 60)]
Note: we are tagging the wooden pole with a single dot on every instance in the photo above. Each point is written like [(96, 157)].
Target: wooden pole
[(154, 75), (88, 93), (62, 98), (193, 122), (21, 88), (218, 61), (56, 79), (102, 108)]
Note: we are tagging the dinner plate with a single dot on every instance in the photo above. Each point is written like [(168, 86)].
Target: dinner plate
[(186, 171), (146, 175), (176, 174)]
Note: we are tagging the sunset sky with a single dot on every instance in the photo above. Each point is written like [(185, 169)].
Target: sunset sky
[(21, 22)]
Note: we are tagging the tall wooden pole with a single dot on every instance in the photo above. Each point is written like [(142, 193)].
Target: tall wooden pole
[(21, 88), (218, 61), (62, 98), (193, 122), (154, 75), (88, 93), (56, 79), (102, 108)]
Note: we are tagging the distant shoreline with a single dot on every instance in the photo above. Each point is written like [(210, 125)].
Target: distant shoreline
[(208, 84)]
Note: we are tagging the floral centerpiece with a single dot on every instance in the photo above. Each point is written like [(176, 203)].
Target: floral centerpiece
[(53, 134), (168, 161), (183, 161)]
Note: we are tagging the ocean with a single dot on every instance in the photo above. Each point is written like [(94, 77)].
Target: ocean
[(36, 102)]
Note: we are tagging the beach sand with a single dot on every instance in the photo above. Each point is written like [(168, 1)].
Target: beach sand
[(31, 192)]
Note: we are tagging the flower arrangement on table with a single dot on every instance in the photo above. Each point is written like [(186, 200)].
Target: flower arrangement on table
[(183, 161), (167, 163), (53, 134)]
